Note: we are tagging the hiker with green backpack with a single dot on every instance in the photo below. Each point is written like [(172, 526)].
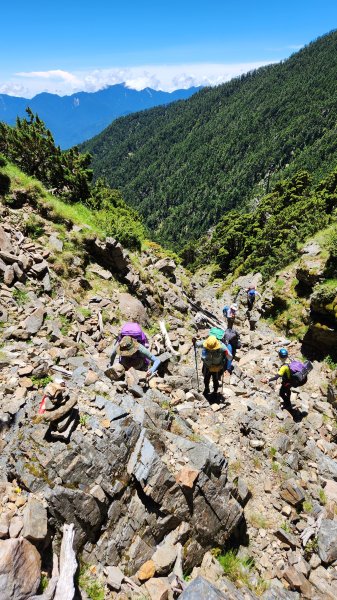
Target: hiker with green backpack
[(214, 357), (293, 374), (231, 338)]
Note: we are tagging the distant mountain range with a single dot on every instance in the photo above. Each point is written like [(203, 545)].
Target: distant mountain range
[(76, 118)]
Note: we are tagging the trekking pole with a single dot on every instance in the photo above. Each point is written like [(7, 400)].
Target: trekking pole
[(196, 364)]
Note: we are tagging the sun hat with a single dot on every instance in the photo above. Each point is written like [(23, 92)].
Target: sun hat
[(234, 306), (212, 343), (127, 347)]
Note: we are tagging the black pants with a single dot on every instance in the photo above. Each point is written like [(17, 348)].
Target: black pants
[(207, 379), (250, 302), (285, 393)]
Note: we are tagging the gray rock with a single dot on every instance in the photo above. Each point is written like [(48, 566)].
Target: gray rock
[(35, 522), (20, 569), (110, 254), (327, 541), (39, 268), (202, 590), (132, 309), (5, 241), (287, 538), (55, 243), (15, 527), (9, 275), (282, 443), (327, 467), (114, 578), (292, 493), (34, 322), (279, 593), (74, 506), (166, 266)]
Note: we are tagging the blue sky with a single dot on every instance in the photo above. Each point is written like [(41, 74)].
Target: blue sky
[(66, 46)]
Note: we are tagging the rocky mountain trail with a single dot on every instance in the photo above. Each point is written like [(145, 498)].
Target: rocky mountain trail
[(154, 477)]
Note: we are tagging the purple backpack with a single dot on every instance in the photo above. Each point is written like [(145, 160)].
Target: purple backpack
[(135, 331), (299, 372)]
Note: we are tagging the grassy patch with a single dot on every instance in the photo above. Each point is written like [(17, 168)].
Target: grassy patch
[(85, 312), (272, 452), (240, 570), (65, 325), (20, 297), (322, 496), (34, 227), (286, 527), (258, 521), (307, 506), (90, 584), (330, 362), (41, 382), (235, 467), (84, 418)]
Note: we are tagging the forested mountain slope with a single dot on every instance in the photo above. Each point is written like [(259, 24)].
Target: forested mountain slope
[(190, 162)]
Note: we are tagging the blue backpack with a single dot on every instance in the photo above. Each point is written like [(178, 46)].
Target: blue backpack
[(225, 311)]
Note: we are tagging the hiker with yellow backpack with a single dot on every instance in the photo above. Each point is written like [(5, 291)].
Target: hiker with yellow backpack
[(214, 357)]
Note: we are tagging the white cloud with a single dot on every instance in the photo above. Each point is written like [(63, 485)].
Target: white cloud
[(56, 75), (158, 77)]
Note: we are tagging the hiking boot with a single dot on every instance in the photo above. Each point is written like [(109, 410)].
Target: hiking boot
[(206, 391)]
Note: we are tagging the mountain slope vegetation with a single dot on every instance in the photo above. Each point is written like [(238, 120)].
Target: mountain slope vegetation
[(70, 193), (190, 162), (268, 238)]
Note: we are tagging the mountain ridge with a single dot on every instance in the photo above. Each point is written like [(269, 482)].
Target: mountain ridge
[(76, 117)]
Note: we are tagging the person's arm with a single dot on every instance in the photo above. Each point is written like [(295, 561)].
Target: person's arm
[(196, 343), (151, 357), (113, 354), (227, 352), (265, 380)]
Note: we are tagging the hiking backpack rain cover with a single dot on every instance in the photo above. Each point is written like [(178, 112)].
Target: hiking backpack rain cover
[(135, 331), (299, 372)]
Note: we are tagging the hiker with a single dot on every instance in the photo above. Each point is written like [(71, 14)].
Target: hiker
[(132, 351), (230, 314), (231, 339), (252, 293), (293, 374), (214, 357)]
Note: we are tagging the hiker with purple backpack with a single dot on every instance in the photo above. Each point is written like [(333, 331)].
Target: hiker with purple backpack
[(293, 373), (132, 348)]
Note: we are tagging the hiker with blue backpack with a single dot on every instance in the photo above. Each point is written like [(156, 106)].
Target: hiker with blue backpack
[(293, 374), (252, 294), (214, 357), (229, 312), (132, 349)]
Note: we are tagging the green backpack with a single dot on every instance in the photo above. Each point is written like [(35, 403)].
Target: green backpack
[(219, 333)]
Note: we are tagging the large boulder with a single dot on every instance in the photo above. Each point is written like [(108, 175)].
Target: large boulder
[(110, 254), (20, 569), (132, 309)]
